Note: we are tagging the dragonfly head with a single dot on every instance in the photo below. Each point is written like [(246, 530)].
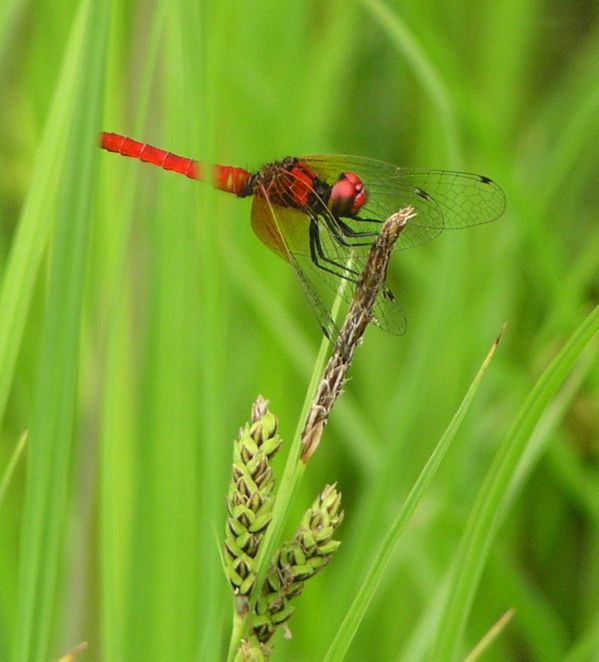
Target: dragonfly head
[(348, 195)]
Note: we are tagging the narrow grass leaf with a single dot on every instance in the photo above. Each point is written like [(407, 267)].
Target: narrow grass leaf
[(356, 612), (586, 647), (54, 409), (489, 508), (425, 70), (35, 224), (119, 397)]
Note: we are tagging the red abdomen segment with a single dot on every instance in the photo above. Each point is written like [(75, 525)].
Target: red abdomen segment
[(224, 178)]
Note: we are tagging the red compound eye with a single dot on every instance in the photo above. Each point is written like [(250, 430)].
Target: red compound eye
[(348, 195)]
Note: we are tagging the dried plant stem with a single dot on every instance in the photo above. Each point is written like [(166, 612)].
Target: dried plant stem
[(357, 319), (329, 387), (490, 636)]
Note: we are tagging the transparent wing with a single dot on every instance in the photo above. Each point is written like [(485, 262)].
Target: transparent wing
[(320, 261), (442, 199), (266, 215), (323, 249)]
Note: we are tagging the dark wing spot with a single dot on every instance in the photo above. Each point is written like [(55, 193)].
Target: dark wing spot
[(388, 294), (485, 180), (422, 193)]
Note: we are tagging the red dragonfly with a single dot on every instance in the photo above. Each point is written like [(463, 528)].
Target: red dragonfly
[(321, 213)]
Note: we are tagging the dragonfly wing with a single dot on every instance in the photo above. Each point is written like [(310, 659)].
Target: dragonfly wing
[(441, 199), (280, 228), (388, 315), (324, 266)]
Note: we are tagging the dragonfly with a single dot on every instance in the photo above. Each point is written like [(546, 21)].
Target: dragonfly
[(322, 213)]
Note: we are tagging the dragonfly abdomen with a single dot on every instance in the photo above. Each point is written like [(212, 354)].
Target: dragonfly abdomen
[(225, 178), (113, 142), (233, 180)]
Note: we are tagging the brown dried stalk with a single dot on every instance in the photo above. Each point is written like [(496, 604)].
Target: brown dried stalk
[(357, 319)]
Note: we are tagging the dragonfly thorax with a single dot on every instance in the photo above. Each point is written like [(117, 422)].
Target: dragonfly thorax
[(289, 183), (293, 183)]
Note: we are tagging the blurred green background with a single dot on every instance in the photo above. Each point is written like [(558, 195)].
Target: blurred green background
[(140, 317)]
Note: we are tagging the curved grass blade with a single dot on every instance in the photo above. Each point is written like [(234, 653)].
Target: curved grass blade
[(54, 411), (497, 491), (356, 612)]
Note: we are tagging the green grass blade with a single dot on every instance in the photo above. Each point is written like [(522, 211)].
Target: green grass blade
[(496, 491), (202, 38), (54, 409), (120, 399), (35, 223), (356, 613), (430, 79), (586, 647)]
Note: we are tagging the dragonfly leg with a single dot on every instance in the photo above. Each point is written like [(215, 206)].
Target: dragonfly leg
[(350, 232), (318, 256), (340, 232), (331, 223), (343, 233)]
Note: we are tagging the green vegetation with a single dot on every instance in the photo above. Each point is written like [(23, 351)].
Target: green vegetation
[(140, 318)]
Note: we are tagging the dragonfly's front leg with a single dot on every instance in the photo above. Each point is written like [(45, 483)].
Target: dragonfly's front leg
[(317, 254), (340, 232), (348, 231)]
